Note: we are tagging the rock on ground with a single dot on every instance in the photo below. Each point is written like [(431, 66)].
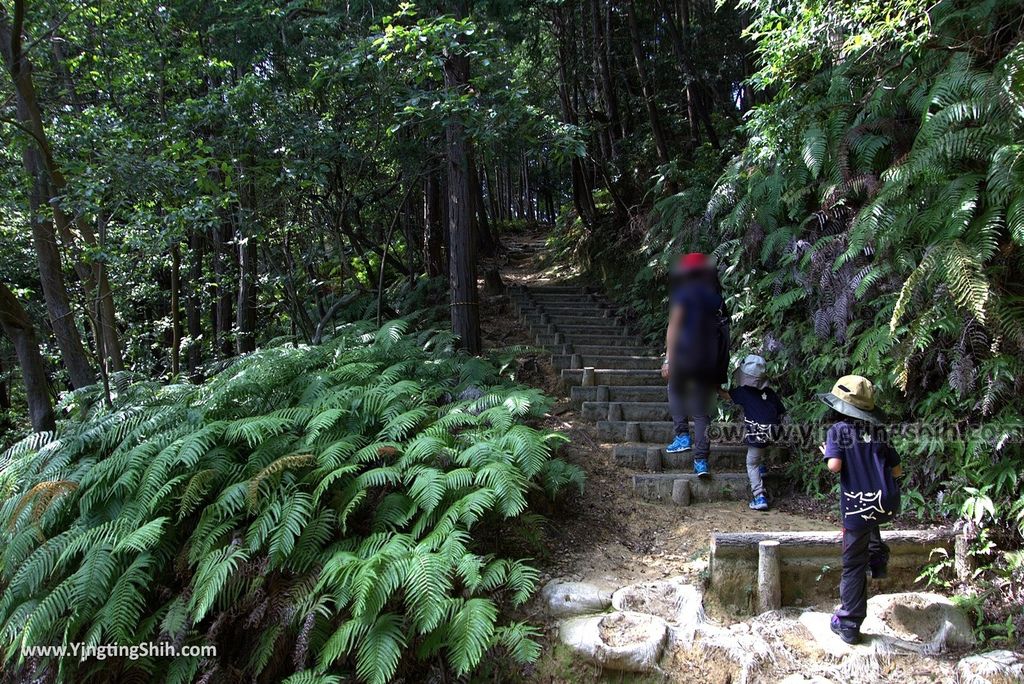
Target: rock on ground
[(621, 640), (563, 599), (993, 667), (920, 621), (901, 634), (675, 601)]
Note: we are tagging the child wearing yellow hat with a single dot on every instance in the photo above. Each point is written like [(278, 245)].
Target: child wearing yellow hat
[(857, 448)]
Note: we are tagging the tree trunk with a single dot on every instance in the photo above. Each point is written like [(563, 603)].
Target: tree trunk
[(433, 228), (245, 333), (224, 302), (696, 107), (194, 303), (18, 327), (20, 69), (51, 269), (5, 391), (465, 314), (111, 360), (648, 92), (601, 43), (488, 246), (51, 276), (582, 198), (175, 310)]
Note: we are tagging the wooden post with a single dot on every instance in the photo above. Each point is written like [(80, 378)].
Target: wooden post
[(589, 377), (576, 361), (681, 492), (963, 560), (603, 394), (769, 583), (615, 411), (652, 460)]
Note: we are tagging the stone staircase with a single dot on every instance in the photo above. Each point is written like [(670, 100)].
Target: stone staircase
[(615, 381)]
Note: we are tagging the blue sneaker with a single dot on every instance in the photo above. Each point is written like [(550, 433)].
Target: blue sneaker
[(760, 503), (700, 467), (680, 443)]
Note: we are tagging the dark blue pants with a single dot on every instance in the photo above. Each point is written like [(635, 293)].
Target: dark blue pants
[(862, 549)]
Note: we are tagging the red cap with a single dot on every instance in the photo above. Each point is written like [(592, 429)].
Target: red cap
[(694, 261)]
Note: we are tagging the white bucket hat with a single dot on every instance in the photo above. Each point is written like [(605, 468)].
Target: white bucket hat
[(751, 373)]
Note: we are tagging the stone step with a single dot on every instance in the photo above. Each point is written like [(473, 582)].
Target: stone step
[(664, 431), (624, 362), (608, 350), (721, 486), (532, 313), (553, 289), (562, 302), (561, 306), (610, 328), (569, 319), (572, 377), (652, 457), (627, 410), (619, 393), (578, 293), (588, 340), (636, 431)]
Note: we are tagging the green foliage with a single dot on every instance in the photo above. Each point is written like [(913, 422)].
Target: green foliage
[(870, 226), (311, 511)]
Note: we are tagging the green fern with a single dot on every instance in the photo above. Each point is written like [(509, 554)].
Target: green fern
[(315, 500)]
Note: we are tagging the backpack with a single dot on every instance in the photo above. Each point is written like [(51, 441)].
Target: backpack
[(706, 357)]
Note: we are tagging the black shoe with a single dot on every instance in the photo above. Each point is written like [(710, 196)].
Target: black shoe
[(879, 573), (849, 635)]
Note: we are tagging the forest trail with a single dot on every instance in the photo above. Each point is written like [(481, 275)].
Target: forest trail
[(617, 533), (626, 534)]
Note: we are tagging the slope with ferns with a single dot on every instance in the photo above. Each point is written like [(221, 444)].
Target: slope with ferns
[(309, 511)]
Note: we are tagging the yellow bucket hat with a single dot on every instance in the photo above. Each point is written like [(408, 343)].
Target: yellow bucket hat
[(854, 396)]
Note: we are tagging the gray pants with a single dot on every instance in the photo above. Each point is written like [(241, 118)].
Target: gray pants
[(755, 456), (690, 398)]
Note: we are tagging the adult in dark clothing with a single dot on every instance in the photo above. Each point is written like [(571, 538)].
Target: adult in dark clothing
[(696, 354)]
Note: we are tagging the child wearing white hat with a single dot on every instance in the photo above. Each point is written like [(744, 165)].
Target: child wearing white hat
[(762, 414)]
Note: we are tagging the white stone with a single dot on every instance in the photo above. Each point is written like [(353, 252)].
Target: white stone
[(564, 599), (674, 600), (919, 621), (642, 637), (993, 667)]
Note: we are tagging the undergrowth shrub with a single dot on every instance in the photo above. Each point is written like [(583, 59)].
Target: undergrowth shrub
[(312, 512)]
